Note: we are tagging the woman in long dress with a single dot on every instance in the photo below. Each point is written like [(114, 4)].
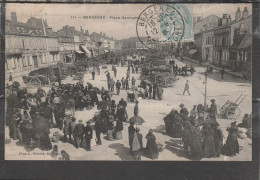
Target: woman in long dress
[(151, 146), (208, 145), (195, 145), (231, 148)]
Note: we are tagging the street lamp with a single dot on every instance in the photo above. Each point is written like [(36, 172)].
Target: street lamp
[(205, 96)]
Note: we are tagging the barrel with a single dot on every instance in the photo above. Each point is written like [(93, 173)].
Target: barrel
[(119, 135), (110, 135)]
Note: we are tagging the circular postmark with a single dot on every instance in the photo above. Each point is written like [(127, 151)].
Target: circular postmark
[(159, 24)]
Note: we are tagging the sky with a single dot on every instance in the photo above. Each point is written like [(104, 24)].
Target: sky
[(59, 15)]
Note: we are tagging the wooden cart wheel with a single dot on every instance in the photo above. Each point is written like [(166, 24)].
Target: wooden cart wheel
[(233, 112), (35, 82)]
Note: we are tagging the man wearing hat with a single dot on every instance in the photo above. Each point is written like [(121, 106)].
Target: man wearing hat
[(213, 110), (78, 134), (186, 88), (183, 110), (67, 121), (88, 135), (72, 127), (218, 138), (193, 113)]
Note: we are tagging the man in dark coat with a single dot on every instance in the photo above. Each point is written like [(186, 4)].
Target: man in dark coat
[(127, 84), (88, 135), (136, 109), (183, 110), (78, 134), (154, 91), (123, 82), (222, 72), (150, 91), (131, 132), (186, 88), (218, 139), (59, 114), (67, 121), (93, 75), (133, 81), (98, 129), (118, 86)]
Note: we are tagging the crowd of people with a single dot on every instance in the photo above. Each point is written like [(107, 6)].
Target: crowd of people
[(31, 116), (203, 138)]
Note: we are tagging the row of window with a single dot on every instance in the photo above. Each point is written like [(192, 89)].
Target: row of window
[(208, 40), (29, 61)]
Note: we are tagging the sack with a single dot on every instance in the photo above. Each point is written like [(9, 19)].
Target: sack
[(242, 135), (241, 130)]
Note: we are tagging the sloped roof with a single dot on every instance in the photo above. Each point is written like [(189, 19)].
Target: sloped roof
[(30, 28), (23, 29)]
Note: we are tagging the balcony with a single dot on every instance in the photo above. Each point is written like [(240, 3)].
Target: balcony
[(13, 51), (54, 49)]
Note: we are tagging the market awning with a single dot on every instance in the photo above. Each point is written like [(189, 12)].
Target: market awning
[(192, 51), (79, 52), (246, 42), (106, 51), (85, 49)]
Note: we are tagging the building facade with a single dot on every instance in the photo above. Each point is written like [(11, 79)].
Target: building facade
[(29, 46)]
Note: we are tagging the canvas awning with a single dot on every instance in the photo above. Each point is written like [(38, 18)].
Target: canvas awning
[(85, 49), (246, 42), (79, 52), (106, 51), (192, 51)]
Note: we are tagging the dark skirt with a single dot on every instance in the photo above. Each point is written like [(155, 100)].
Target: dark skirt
[(208, 147), (152, 149), (44, 142), (231, 147), (195, 148)]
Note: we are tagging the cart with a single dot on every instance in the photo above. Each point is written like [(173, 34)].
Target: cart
[(40, 77), (131, 96), (230, 110)]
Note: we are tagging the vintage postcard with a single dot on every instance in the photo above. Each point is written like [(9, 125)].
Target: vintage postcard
[(128, 82)]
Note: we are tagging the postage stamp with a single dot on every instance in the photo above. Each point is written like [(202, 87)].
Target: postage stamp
[(164, 23)]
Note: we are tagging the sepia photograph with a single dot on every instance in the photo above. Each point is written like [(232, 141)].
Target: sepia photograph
[(128, 82)]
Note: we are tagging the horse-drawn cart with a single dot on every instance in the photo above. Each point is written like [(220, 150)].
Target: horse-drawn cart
[(231, 110)]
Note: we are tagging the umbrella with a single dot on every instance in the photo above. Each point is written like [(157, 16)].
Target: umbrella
[(137, 120), (16, 84), (103, 105)]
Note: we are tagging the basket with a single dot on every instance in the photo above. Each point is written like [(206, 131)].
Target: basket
[(110, 135), (119, 135)]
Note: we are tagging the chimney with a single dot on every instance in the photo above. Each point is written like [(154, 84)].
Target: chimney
[(13, 17), (100, 33), (198, 19), (104, 34), (81, 29), (86, 32), (245, 13), (229, 19), (224, 19), (238, 14)]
